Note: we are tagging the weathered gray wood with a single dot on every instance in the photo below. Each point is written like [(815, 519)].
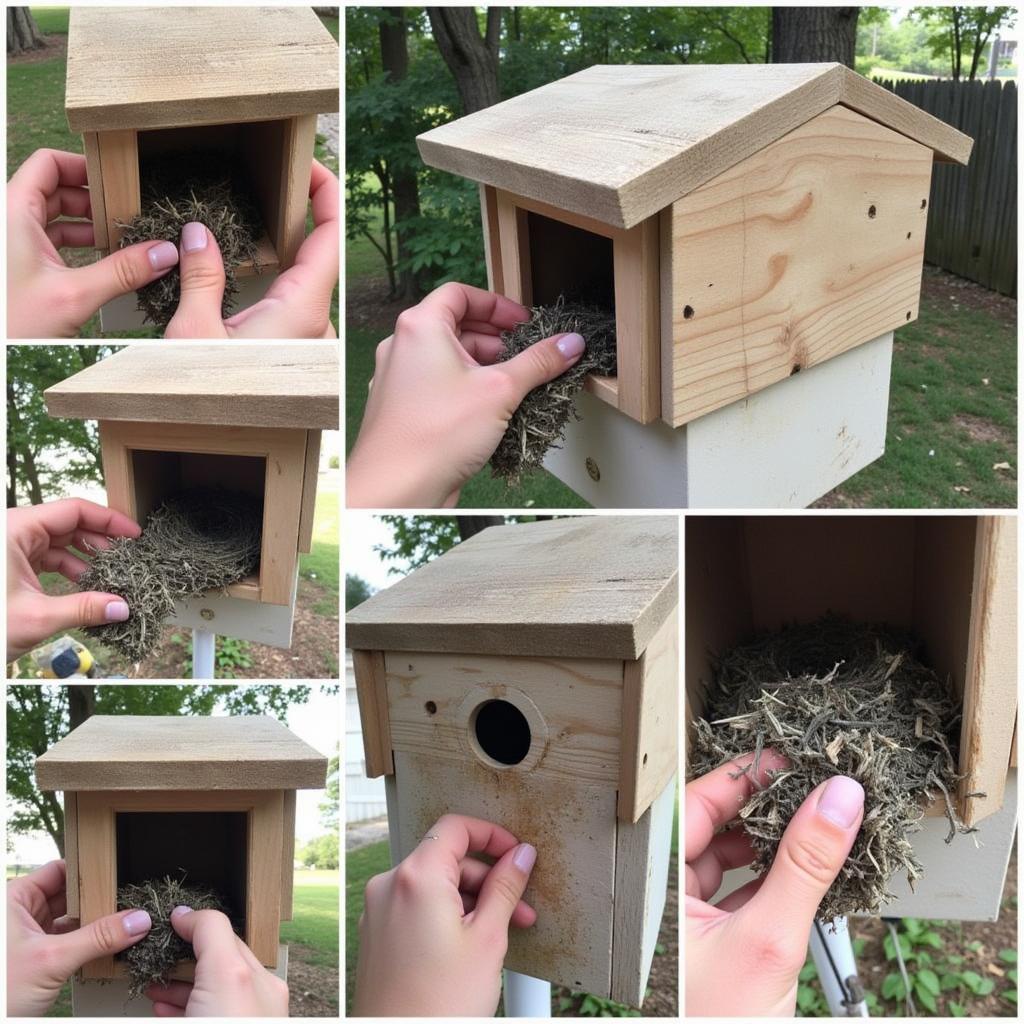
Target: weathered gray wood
[(592, 587)]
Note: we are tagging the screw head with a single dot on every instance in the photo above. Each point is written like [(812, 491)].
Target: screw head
[(593, 470)]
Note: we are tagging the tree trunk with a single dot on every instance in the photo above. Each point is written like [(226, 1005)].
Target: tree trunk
[(810, 34), (471, 58), (470, 526), (22, 31), (12, 478), (394, 58), (35, 491), (81, 703)]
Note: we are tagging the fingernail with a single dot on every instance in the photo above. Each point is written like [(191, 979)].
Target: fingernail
[(178, 911), (525, 856), (137, 922), (571, 345), (841, 800), (117, 611), (163, 255), (193, 236)]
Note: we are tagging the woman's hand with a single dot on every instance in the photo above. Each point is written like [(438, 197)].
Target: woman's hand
[(434, 933), (743, 954), (440, 402)]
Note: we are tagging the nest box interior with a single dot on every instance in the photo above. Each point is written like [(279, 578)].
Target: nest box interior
[(945, 579), (571, 262)]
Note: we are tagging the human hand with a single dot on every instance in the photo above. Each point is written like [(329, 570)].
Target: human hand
[(45, 297), (40, 538), (45, 947), (434, 933), (229, 980), (440, 401), (744, 954), (297, 304)]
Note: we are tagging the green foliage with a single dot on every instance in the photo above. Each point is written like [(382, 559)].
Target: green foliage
[(332, 794), (229, 654), (334, 462), (588, 1005), (357, 590), (416, 540), (314, 923), (960, 34), (322, 852)]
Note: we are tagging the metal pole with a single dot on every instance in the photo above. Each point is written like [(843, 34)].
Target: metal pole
[(832, 952), (526, 996), (203, 643)]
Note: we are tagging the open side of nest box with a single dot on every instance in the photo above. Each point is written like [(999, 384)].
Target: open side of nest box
[(529, 677)]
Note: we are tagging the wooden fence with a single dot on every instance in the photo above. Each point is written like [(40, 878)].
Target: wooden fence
[(972, 217)]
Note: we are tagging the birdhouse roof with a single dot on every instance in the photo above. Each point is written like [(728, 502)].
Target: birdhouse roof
[(181, 753), (166, 67), (583, 586), (278, 385), (620, 143)]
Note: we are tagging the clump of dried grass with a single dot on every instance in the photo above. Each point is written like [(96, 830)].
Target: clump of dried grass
[(206, 191), (202, 539), (837, 698), (151, 960), (539, 422)]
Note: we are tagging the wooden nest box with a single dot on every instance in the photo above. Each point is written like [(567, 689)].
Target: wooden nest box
[(146, 85), (246, 418), (529, 677), (745, 223), (213, 798)]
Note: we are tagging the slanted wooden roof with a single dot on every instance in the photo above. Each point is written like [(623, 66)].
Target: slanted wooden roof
[(584, 586), (620, 143), (283, 384), (153, 752), (160, 67)]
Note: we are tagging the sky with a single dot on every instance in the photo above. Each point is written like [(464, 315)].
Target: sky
[(361, 532)]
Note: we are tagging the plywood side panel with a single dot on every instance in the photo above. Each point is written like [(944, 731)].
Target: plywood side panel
[(573, 827), (758, 289), (371, 692), (97, 870), (122, 193), (638, 321), (71, 853), (91, 145)]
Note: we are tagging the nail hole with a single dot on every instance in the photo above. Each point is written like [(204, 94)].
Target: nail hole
[(687, 312), (908, 234), (908, 314), (431, 707), (872, 211), (924, 203), (796, 369), (645, 759), (502, 731)]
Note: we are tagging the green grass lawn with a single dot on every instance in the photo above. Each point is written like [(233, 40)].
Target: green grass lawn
[(360, 866), (314, 921), (321, 564), (52, 20)]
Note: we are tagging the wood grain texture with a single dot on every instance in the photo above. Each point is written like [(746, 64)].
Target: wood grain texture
[(71, 853), (571, 824), (310, 475), (91, 147), (758, 288), (157, 67), (582, 586), (513, 249), (492, 245), (621, 143), (371, 692), (650, 722), (297, 166), (119, 171), (287, 852), (573, 706), (150, 752), (278, 385)]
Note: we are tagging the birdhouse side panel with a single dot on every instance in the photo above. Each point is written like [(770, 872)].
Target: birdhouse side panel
[(808, 248), (91, 148), (572, 825), (119, 171), (71, 853)]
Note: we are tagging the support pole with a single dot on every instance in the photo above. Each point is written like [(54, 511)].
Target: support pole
[(203, 643), (832, 952), (526, 996)]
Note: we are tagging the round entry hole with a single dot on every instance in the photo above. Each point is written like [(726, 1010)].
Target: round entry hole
[(430, 707), (502, 731)]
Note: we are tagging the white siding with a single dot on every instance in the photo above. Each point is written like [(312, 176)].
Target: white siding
[(364, 798)]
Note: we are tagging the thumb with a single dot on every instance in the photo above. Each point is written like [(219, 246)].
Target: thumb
[(103, 937), (543, 361), (202, 286), (123, 271), (503, 887), (73, 610), (812, 852)]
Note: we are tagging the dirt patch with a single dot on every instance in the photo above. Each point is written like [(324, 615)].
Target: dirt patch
[(368, 304), (981, 430), (312, 988), (54, 46), (944, 290)]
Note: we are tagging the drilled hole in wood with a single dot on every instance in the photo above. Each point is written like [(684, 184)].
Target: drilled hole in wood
[(796, 369), (924, 203), (872, 211), (908, 234), (645, 759), (430, 707), (687, 312), (593, 470), (908, 314), (502, 731)]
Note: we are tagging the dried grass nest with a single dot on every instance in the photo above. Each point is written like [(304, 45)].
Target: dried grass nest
[(539, 422), (199, 540), (837, 698)]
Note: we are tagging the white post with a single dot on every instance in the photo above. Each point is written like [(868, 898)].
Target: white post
[(832, 952), (526, 996), (203, 643)]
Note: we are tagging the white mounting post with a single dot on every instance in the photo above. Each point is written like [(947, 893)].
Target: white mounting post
[(832, 952), (526, 996), (203, 644)]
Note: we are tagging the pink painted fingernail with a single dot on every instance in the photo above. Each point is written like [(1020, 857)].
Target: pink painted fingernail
[(163, 255), (117, 611), (178, 911), (137, 922), (524, 858), (193, 236), (571, 345), (841, 800)]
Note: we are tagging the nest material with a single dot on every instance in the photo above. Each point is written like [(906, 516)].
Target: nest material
[(539, 422), (199, 540), (152, 959), (837, 698), (207, 191)]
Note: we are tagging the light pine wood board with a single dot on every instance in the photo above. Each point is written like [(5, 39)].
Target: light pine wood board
[(160, 67), (152, 752), (119, 168), (280, 385), (287, 852), (371, 692), (91, 146), (582, 586), (573, 827), (573, 706), (310, 474), (71, 852), (621, 143), (758, 287)]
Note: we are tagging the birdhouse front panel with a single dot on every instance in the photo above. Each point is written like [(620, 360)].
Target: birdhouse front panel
[(524, 680)]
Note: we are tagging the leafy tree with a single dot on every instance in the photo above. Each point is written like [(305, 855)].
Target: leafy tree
[(322, 852), (332, 796), (38, 716), (45, 453), (357, 590), (959, 32)]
